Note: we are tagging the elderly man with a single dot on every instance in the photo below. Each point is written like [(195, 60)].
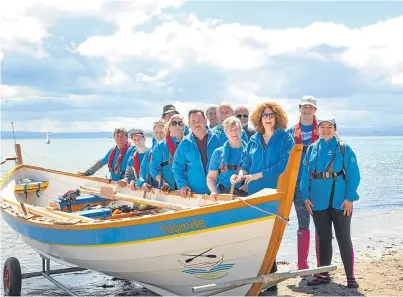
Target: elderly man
[(242, 113), (192, 156), (211, 115), (168, 111), (116, 158), (224, 111)]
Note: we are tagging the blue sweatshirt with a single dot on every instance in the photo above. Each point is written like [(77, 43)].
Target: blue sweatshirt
[(271, 161), (188, 167), (225, 155), (319, 155), (161, 154), (306, 136)]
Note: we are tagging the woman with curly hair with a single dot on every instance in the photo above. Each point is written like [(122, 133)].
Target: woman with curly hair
[(267, 152)]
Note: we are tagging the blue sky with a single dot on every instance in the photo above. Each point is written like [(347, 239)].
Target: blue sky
[(95, 65)]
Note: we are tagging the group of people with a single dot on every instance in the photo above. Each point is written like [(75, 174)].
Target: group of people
[(217, 150)]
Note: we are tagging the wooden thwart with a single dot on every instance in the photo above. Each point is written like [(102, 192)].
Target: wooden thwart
[(58, 218), (109, 193)]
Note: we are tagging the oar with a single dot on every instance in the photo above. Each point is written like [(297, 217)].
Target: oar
[(109, 193), (191, 259)]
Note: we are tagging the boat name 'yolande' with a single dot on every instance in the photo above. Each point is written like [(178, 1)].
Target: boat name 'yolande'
[(177, 228)]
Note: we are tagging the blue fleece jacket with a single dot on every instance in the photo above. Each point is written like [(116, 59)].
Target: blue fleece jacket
[(144, 169), (161, 154), (319, 155), (188, 167), (226, 155), (117, 176), (271, 161)]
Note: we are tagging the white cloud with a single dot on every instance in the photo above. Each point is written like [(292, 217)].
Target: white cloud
[(144, 78), (116, 76), (235, 46), (27, 21), (18, 93)]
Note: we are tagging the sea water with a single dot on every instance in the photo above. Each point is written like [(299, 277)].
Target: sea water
[(380, 161)]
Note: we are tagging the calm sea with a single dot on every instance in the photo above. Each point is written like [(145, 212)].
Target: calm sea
[(381, 191)]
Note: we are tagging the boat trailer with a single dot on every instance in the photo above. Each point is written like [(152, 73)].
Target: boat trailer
[(12, 276)]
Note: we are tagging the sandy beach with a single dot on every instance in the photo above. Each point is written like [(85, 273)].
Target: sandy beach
[(376, 276), (378, 248)]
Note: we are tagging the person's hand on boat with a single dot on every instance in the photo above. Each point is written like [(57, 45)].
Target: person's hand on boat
[(309, 205), (244, 188), (184, 191), (252, 177), (214, 196), (234, 179), (165, 188), (80, 172), (122, 183), (146, 187), (133, 186), (348, 207)]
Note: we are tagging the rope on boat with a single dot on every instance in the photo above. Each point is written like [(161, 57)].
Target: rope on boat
[(264, 211), (29, 157)]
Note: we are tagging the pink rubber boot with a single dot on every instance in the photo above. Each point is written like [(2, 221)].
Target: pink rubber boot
[(303, 248)]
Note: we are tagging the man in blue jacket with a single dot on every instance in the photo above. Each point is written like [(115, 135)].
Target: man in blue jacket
[(192, 157), (224, 111), (116, 158)]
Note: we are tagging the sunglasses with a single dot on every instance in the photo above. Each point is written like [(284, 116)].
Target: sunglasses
[(271, 115), (240, 116), (174, 123)]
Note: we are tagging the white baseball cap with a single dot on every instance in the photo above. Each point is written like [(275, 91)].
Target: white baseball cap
[(308, 100)]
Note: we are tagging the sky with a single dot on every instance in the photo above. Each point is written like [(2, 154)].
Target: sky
[(95, 65)]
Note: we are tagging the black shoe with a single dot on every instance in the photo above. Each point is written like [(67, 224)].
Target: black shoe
[(351, 283), (272, 289), (319, 280)]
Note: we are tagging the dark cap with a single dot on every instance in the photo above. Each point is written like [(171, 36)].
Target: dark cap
[(136, 132), (169, 108)]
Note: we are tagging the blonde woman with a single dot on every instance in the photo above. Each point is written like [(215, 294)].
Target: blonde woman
[(164, 151)]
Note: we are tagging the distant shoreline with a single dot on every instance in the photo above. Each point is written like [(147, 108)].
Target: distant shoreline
[(395, 131)]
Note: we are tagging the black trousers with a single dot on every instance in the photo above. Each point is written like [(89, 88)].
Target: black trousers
[(323, 221)]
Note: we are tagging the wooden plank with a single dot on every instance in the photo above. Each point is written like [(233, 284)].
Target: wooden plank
[(43, 212), (18, 152), (130, 198)]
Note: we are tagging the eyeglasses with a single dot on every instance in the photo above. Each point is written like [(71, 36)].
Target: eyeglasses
[(174, 123), (271, 115), (240, 116)]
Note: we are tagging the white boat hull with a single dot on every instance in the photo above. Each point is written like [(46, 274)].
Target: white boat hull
[(160, 263)]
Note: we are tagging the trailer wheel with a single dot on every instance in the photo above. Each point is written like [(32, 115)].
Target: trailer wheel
[(12, 277)]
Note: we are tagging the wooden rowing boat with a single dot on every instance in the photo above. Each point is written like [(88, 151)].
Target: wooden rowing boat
[(177, 244)]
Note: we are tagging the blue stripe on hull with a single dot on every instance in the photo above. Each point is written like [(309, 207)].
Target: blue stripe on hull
[(151, 231)]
